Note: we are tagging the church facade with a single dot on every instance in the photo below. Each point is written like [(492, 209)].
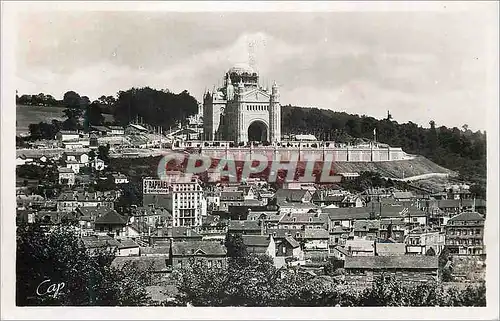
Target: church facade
[(242, 110)]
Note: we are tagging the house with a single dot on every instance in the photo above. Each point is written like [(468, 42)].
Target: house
[(420, 240), (231, 198), (25, 216), (74, 166), (360, 247), (98, 164), (164, 236), (310, 220), (351, 201), (339, 252), (213, 254), (245, 227), (403, 196), (271, 218), (76, 144), (156, 264), (100, 130), (345, 217), (96, 243), (389, 248), (260, 244), (296, 207), (80, 157), (153, 216), (465, 233), (23, 160), (339, 235), (70, 201), (127, 247), (213, 199), (116, 130), (133, 129), (366, 229), (67, 135), (316, 240), (392, 228), (212, 228), (66, 176), (363, 270), (110, 223), (293, 195), (87, 216), (289, 247)]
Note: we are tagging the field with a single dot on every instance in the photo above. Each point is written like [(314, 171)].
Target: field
[(26, 115)]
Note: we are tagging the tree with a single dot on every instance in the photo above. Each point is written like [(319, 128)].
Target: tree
[(235, 246), (59, 256), (95, 114), (103, 152), (154, 107), (430, 252), (444, 263)]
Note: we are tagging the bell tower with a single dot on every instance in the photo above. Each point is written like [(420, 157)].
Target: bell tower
[(275, 115)]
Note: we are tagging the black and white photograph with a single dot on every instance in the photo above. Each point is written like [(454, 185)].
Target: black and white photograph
[(219, 154)]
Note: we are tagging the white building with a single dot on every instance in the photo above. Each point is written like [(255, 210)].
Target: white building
[(184, 199), (67, 135)]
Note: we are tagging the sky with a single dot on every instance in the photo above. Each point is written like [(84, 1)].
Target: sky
[(419, 65)]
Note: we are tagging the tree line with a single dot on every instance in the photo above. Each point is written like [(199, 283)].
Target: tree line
[(247, 280), (458, 149), (145, 105)]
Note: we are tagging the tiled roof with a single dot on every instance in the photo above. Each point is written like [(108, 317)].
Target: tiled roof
[(467, 216), (349, 213), (256, 240), (360, 245), (391, 262), (403, 195), (209, 248), (342, 250), (231, 196), (127, 243), (281, 233), (304, 218), (65, 170), (157, 250), (365, 225), (158, 264), (385, 249), (178, 232), (292, 241), (243, 225), (99, 241), (111, 217), (312, 233), (291, 195)]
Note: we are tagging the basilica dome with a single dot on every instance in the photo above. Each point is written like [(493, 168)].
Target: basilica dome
[(241, 68)]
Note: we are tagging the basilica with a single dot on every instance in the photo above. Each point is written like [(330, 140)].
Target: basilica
[(242, 110)]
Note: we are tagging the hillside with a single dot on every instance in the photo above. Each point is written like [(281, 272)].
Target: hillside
[(26, 115), (458, 149), (395, 169)]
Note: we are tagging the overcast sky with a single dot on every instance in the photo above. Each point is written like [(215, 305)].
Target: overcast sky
[(418, 65)]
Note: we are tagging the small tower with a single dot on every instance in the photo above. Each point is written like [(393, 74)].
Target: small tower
[(240, 131), (275, 115), (229, 88)]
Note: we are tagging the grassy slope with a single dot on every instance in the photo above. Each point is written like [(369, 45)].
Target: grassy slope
[(395, 169)]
